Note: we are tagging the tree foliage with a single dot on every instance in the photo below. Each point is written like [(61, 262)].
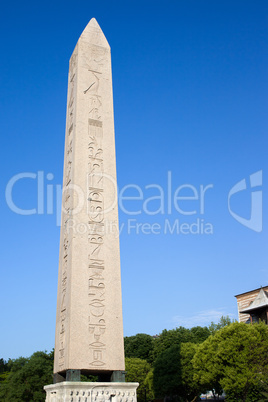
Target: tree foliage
[(235, 359), (167, 373), (3, 366), (190, 389), (174, 373), (170, 338), (185, 362), (149, 385), (224, 321), (137, 371), (140, 346), (27, 377), (199, 334), (177, 336)]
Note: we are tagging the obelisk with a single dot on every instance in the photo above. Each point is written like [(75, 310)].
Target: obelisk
[(89, 327)]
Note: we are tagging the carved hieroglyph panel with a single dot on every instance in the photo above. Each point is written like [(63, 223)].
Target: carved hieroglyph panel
[(66, 240)]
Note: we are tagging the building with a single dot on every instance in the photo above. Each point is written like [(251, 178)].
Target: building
[(253, 305)]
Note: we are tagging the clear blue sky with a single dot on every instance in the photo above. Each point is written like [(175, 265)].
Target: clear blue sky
[(190, 98)]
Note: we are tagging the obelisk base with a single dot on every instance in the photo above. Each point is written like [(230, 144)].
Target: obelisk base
[(70, 391)]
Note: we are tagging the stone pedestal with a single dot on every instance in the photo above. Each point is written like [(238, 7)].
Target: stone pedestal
[(91, 392)]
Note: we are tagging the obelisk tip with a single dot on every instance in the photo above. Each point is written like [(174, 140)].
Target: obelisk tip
[(94, 35), (93, 22)]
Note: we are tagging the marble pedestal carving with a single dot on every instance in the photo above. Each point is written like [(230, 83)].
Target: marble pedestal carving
[(91, 392)]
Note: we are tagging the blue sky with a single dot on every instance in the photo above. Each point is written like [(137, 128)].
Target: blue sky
[(190, 98)]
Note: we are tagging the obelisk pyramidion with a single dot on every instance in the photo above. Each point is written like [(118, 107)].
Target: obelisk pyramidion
[(89, 328)]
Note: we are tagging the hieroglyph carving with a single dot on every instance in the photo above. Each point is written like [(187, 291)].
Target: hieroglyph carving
[(96, 265), (66, 203)]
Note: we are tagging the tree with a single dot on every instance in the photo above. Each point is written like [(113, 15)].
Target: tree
[(199, 334), (167, 379), (170, 338), (4, 370), (234, 359), (178, 336), (137, 371), (27, 377), (3, 366), (140, 346), (149, 386), (206, 372), (190, 389), (173, 374), (224, 321)]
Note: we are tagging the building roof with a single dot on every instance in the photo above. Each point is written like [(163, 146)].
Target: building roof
[(260, 301), (251, 291)]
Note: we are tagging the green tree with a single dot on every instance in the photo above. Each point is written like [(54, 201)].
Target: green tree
[(173, 374), (234, 359), (27, 377), (169, 338), (224, 321), (140, 346), (3, 366), (149, 386), (167, 379), (178, 336), (190, 389), (199, 334), (137, 371), (4, 370)]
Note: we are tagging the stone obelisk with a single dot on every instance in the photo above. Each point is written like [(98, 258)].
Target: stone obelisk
[(89, 327)]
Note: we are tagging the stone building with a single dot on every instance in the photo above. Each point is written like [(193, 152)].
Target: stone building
[(253, 305)]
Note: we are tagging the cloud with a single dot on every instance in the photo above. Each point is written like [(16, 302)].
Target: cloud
[(202, 318)]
